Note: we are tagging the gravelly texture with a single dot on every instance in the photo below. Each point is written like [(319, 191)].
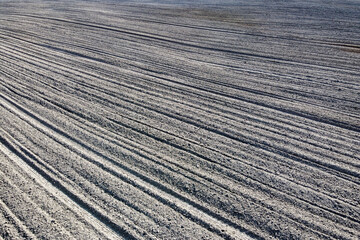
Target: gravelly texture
[(175, 120)]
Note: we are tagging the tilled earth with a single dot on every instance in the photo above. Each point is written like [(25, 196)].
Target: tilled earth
[(176, 120)]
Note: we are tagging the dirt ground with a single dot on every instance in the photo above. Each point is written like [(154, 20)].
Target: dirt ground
[(179, 120)]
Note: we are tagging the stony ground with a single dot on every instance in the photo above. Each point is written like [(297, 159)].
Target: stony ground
[(163, 120)]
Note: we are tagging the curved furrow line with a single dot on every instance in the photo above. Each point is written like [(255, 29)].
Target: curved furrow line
[(95, 200), (163, 158), (303, 40), (212, 98), (333, 122), (88, 49), (117, 56), (150, 135), (17, 183), (217, 82), (91, 226), (232, 113), (219, 121), (182, 44), (264, 146), (200, 183), (240, 120), (296, 79), (43, 177), (101, 167), (183, 149), (179, 121), (182, 146), (140, 181), (33, 209), (262, 182), (128, 143), (259, 104), (274, 139), (11, 218)]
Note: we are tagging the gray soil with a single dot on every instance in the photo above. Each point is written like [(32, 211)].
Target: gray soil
[(176, 120)]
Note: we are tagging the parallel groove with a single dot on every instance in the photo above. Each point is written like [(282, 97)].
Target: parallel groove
[(162, 121)]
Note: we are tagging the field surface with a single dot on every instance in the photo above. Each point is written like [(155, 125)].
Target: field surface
[(176, 120)]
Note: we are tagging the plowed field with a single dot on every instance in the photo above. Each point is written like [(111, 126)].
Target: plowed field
[(163, 120)]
